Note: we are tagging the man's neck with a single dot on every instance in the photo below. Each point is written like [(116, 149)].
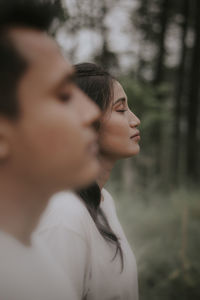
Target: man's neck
[(107, 165), (20, 209)]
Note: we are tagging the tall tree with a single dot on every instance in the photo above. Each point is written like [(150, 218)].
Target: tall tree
[(163, 18), (105, 57), (193, 102), (179, 93), (164, 14)]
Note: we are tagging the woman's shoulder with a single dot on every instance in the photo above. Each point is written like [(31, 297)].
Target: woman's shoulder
[(106, 194), (107, 201), (66, 200), (66, 203), (65, 209)]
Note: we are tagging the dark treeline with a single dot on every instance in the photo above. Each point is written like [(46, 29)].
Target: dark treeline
[(163, 87), (155, 19)]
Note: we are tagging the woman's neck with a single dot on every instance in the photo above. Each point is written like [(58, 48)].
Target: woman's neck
[(107, 165)]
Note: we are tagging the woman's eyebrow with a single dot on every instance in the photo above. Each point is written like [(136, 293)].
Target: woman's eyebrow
[(120, 100)]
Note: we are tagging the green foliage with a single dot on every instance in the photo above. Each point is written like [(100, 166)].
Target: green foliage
[(152, 105), (143, 100), (164, 231)]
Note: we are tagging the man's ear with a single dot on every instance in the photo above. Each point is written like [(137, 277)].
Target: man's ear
[(5, 130)]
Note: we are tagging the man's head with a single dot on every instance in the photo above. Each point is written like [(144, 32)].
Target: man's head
[(45, 120), (37, 15)]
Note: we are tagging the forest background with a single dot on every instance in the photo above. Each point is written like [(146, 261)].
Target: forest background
[(153, 48)]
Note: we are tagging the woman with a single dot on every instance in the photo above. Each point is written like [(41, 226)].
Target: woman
[(83, 232)]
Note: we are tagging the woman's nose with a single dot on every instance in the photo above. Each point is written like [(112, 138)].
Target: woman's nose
[(134, 120)]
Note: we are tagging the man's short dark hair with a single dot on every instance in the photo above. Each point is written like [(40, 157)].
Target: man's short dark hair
[(34, 14)]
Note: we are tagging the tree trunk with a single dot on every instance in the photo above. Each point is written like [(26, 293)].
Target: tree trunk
[(193, 103), (161, 43), (158, 78), (179, 93)]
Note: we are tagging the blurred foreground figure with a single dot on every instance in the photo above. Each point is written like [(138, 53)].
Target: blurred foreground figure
[(87, 227), (47, 144)]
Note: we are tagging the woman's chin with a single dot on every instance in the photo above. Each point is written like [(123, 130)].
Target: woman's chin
[(132, 152)]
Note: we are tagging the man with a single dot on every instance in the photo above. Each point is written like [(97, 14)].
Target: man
[(47, 144)]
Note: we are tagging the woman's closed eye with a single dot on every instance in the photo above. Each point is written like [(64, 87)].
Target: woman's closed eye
[(121, 110)]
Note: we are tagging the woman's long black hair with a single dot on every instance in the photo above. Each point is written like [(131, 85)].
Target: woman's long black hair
[(98, 85)]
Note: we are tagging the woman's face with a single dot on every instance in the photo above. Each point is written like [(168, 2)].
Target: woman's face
[(118, 135)]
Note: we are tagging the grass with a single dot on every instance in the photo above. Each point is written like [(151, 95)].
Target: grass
[(164, 232)]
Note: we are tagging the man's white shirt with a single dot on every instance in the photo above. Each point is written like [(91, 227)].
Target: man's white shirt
[(30, 273)]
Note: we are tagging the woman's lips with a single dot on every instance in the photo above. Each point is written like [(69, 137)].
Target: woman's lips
[(136, 136)]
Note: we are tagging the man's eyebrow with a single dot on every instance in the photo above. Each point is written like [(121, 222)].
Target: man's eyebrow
[(120, 100), (68, 78)]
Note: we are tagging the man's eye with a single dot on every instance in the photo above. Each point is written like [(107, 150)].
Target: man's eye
[(65, 97)]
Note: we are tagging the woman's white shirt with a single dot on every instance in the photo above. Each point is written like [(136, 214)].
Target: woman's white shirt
[(86, 257)]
